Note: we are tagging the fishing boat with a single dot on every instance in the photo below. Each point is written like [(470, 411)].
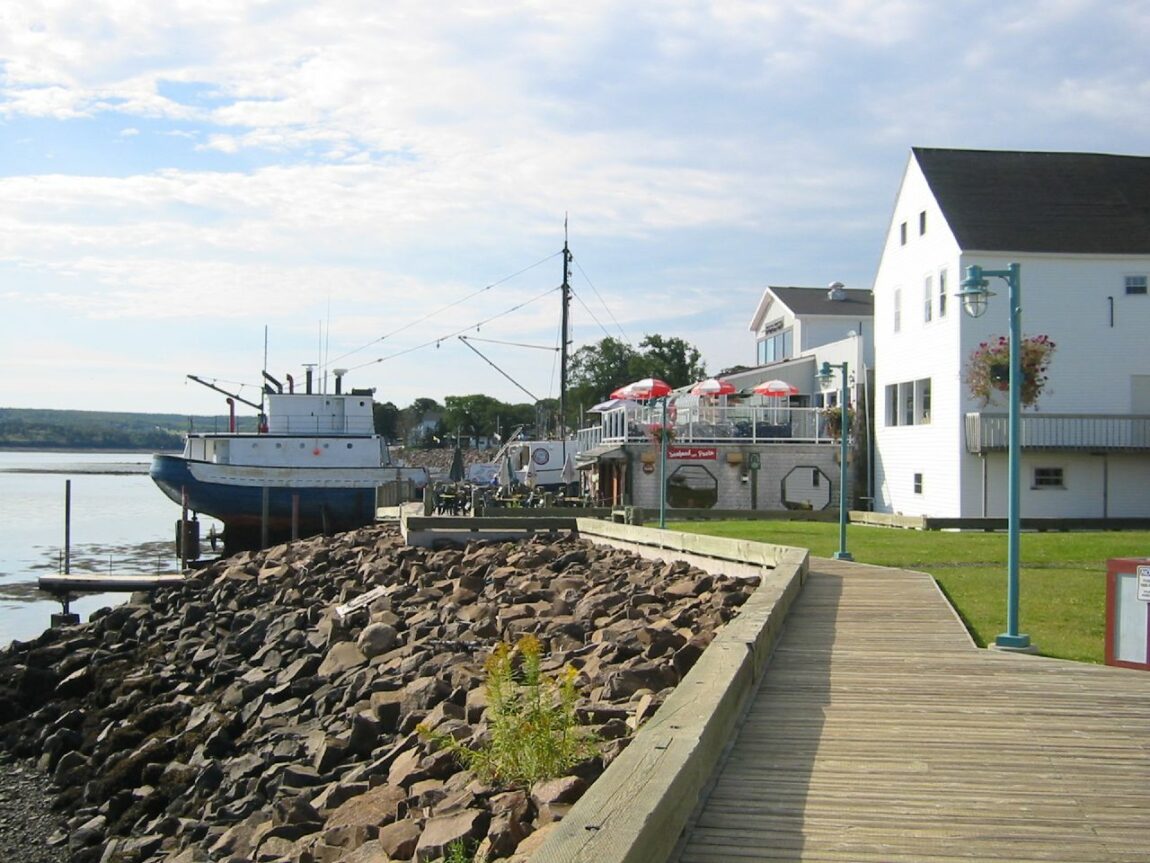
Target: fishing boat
[(313, 465)]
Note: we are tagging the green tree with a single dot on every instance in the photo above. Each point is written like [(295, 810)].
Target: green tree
[(386, 420), (522, 414), (472, 415), (595, 370), (599, 369), (671, 359)]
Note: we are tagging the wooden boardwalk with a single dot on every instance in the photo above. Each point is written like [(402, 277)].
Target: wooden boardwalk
[(881, 733)]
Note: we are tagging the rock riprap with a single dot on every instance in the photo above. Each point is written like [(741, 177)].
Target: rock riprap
[(267, 709)]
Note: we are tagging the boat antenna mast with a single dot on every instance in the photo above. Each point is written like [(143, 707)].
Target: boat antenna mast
[(564, 339)]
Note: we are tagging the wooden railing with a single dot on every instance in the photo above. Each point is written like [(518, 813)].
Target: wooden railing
[(988, 432)]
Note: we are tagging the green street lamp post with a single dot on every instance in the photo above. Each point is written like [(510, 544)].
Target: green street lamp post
[(844, 428), (974, 296), (664, 433)]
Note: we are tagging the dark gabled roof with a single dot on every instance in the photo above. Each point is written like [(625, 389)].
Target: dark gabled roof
[(815, 301), (1084, 203)]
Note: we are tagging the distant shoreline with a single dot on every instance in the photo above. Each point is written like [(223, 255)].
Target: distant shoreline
[(114, 450)]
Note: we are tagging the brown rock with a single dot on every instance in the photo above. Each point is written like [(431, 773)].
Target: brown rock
[(374, 808), (398, 840), (343, 656), (443, 830)]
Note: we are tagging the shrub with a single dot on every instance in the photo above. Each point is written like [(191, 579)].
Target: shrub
[(534, 733)]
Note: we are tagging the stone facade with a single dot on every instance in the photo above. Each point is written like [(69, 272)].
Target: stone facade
[(725, 476)]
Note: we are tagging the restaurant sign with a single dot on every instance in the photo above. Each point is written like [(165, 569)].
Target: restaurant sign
[(692, 452)]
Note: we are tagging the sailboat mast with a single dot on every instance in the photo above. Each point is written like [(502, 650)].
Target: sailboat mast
[(564, 339)]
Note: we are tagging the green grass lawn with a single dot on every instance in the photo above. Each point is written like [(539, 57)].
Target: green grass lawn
[(1062, 579)]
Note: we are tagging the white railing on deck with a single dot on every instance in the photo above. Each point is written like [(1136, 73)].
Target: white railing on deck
[(1102, 432), (754, 425)]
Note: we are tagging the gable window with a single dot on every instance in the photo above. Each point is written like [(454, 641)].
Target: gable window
[(898, 310), (776, 346), (942, 293), (927, 299), (902, 234), (1048, 477), (922, 223), (918, 483), (1136, 284)]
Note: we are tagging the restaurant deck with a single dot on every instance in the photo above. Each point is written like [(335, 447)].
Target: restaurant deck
[(881, 733)]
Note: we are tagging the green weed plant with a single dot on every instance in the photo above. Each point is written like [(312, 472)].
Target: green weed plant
[(533, 730), (458, 852)]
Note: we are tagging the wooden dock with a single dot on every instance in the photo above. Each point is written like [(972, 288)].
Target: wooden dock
[(95, 583), (881, 733)]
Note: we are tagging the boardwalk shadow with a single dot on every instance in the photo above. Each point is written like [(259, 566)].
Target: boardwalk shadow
[(757, 802)]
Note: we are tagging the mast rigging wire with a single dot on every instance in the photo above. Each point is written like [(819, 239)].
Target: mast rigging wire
[(442, 309), (460, 331), (512, 344), (602, 302)]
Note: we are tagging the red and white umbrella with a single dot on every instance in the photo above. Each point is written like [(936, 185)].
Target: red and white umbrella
[(775, 389), (714, 387), (648, 388)]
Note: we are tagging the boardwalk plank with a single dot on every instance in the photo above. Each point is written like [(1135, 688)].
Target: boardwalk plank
[(880, 733)]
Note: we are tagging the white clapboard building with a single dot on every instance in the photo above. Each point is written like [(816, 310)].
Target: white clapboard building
[(1079, 227)]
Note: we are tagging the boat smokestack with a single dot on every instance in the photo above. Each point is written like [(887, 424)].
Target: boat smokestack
[(339, 373), (232, 415), (307, 380), (291, 384)]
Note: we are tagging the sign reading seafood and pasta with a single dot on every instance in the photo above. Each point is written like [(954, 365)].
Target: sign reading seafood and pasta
[(701, 453)]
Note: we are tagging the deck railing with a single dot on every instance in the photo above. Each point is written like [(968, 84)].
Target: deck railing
[(987, 432), (745, 425)]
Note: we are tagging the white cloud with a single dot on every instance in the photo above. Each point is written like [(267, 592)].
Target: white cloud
[(390, 158)]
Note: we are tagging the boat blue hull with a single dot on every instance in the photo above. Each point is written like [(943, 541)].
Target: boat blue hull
[(241, 508)]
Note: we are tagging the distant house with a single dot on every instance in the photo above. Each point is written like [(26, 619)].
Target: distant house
[(790, 321), (798, 328), (420, 433), (1079, 226)]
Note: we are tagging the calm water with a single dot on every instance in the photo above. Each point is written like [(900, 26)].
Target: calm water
[(121, 523)]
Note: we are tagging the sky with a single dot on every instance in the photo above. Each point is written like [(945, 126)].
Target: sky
[(222, 186)]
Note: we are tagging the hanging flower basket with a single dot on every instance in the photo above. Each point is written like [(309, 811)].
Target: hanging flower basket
[(833, 420), (657, 431), (987, 371)]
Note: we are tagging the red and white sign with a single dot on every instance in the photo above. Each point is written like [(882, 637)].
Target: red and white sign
[(700, 453)]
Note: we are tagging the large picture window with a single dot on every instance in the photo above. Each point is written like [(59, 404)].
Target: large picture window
[(908, 403)]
